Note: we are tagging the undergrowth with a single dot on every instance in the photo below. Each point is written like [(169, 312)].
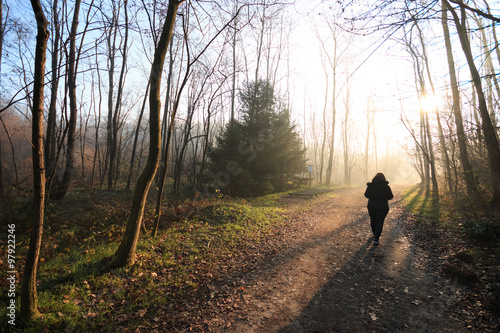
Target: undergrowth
[(198, 242), (473, 218), (462, 235)]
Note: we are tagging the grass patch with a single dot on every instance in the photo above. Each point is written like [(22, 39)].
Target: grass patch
[(420, 204), (472, 218), (176, 267)]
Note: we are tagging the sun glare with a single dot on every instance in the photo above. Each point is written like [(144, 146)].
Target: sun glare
[(428, 102)]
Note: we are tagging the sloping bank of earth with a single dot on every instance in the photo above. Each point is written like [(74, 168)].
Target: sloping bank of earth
[(321, 273)]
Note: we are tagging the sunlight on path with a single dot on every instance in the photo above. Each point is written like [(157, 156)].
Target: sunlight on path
[(336, 280)]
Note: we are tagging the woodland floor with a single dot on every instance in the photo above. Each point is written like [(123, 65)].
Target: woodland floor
[(322, 273)]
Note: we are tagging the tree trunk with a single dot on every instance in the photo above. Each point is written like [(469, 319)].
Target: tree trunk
[(70, 158), (468, 172), (490, 135), (29, 296), (489, 71), (333, 64), (164, 168), (14, 163), (323, 144), (97, 122), (495, 39), (260, 42), (329, 168), (347, 160), (188, 126), (136, 138), (370, 118), (125, 254), (1, 48), (442, 142), (111, 125), (426, 144), (2, 188), (233, 45), (432, 161), (50, 140), (119, 93)]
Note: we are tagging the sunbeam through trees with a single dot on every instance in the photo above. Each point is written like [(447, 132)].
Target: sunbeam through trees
[(174, 105)]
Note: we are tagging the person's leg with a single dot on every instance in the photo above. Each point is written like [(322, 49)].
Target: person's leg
[(379, 222), (373, 219)]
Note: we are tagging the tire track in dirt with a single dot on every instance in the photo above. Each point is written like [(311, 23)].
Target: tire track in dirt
[(333, 279)]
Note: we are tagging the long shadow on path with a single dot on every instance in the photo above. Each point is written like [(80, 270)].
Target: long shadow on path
[(380, 289)]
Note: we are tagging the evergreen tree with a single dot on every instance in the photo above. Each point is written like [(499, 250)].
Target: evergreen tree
[(261, 153)]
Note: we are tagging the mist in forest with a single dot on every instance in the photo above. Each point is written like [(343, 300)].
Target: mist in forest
[(365, 91), (179, 103)]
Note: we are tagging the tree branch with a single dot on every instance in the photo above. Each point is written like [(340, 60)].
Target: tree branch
[(475, 10)]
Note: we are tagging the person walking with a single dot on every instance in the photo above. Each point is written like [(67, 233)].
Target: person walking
[(378, 193)]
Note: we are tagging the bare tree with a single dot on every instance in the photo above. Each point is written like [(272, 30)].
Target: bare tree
[(136, 138), (346, 134), (490, 136), (207, 122), (2, 32), (233, 47), (334, 55), (153, 32), (115, 102), (125, 254), (425, 131), (370, 124), (50, 140), (14, 163), (457, 112), (489, 71), (97, 105), (325, 134), (72, 65), (190, 62), (442, 142), (29, 295)]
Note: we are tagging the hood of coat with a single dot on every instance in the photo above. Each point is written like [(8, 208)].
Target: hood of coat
[(378, 183)]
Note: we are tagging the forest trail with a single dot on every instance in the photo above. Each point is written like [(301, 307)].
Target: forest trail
[(331, 278)]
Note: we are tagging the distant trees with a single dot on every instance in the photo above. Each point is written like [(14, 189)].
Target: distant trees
[(260, 153), (115, 99), (473, 108), (334, 45), (98, 83)]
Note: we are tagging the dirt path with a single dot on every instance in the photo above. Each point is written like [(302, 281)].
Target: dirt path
[(331, 278)]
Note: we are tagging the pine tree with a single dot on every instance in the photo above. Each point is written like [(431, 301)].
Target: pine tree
[(261, 153)]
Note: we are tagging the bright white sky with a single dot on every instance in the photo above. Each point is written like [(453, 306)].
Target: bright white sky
[(379, 75), (379, 70)]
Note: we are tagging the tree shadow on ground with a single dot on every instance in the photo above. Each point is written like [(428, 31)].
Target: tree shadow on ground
[(379, 289), (428, 206), (93, 268)]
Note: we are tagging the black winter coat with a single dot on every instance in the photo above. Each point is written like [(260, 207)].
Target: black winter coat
[(378, 194)]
